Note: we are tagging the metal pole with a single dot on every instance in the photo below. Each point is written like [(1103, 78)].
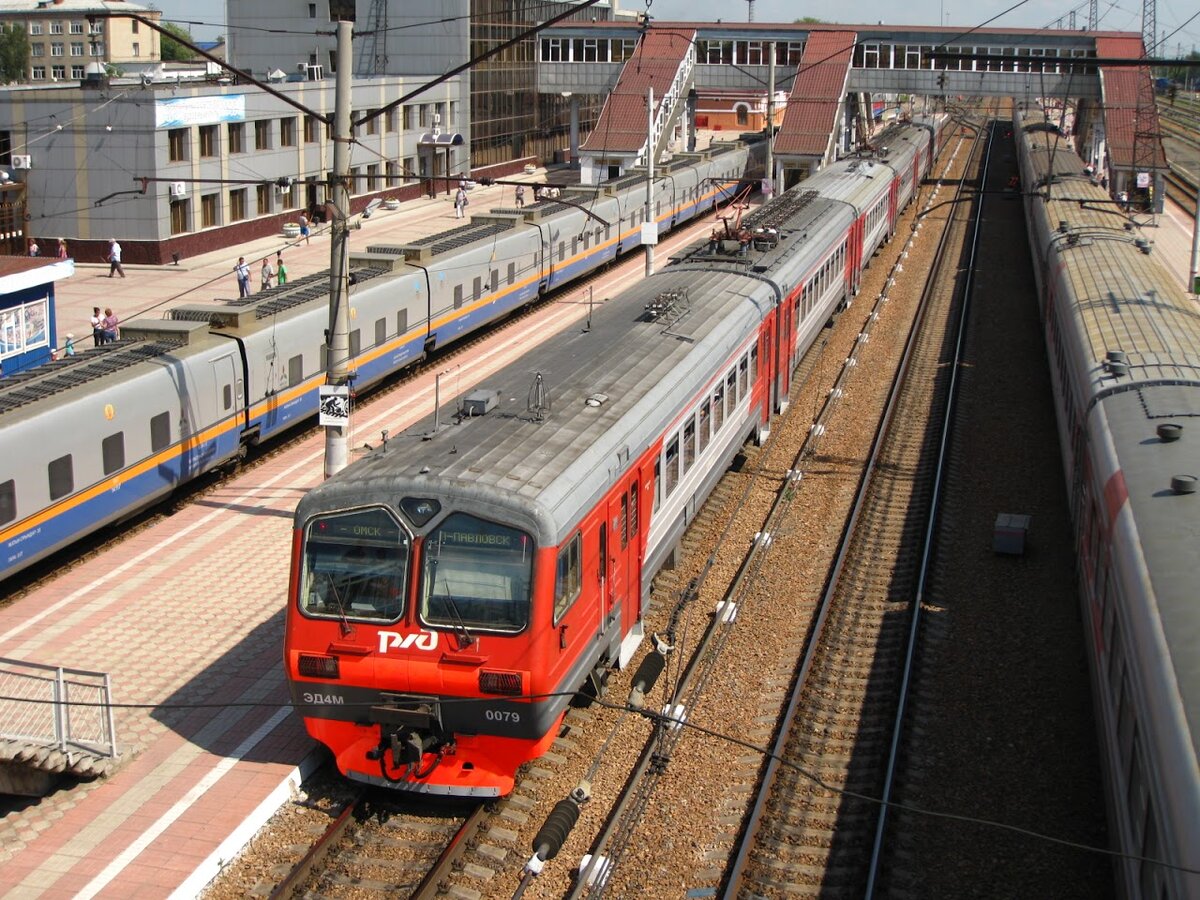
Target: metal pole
[(437, 402), (649, 218), (337, 372), (1192, 286), (771, 122)]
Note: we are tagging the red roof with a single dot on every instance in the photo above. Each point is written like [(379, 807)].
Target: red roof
[(817, 92), (623, 121), (1121, 87)]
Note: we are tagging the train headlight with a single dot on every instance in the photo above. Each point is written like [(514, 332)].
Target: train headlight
[(507, 683), (319, 666)]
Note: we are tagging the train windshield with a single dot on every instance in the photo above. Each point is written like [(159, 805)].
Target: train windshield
[(355, 566), (476, 575)]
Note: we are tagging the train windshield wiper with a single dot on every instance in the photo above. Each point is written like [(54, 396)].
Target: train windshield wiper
[(465, 638), (347, 628)]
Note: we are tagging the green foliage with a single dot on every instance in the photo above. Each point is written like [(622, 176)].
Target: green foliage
[(14, 53), (172, 50), (809, 20)]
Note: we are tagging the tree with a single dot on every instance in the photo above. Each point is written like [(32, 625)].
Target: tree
[(14, 53), (172, 50), (808, 20)]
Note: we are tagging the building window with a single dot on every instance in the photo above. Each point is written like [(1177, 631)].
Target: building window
[(237, 137), (209, 208), (35, 27), (410, 118), (37, 49), (135, 24), (288, 198), (56, 49), (262, 135), (390, 120), (393, 174), (137, 49), (39, 73), (97, 27), (58, 71), (77, 72), (373, 122), (312, 10), (312, 130), (96, 49), (208, 140), (263, 196), (237, 205), (372, 177), (453, 120), (179, 216), (56, 28), (76, 28), (426, 113), (410, 167), (77, 48), (287, 132), (177, 144)]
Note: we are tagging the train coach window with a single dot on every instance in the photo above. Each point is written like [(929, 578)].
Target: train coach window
[(62, 476), (355, 566), (227, 396), (718, 407), (705, 416), (743, 377), (495, 283), (476, 574), (689, 444), (458, 296), (160, 432), (731, 394), (477, 289), (754, 364), (568, 576), (402, 321), (380, 331), (295, 370), (512, 272), (634, 505), (8, 501), (671, 473), (112, 452)]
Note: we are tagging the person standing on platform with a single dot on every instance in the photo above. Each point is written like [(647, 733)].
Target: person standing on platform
[(520, 195), (280, 270), (69, 348), (267, 274), (243, 277), (304, 227), (97, 327), (114, 258), (460, 203), (34, 249), (62, 249), (112, 331)]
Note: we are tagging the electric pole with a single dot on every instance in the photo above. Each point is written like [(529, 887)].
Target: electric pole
[(649, 225), (337, 371)]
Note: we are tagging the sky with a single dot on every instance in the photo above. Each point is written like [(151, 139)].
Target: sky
[(1115, 15)]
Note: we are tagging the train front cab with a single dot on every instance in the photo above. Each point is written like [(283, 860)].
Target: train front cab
[(436, 650)]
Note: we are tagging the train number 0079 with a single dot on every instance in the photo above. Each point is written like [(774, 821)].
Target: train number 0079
[(501, 715)]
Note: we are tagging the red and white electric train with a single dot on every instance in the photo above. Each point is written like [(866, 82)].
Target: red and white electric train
[(451, 590)]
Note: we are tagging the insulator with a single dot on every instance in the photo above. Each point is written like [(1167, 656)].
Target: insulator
[(646, 677), (553, 833)]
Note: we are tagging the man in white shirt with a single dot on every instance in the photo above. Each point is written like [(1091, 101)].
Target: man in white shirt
[(114, 258)]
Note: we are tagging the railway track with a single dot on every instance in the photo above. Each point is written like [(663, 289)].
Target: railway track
[(819, 824), (383, 846)]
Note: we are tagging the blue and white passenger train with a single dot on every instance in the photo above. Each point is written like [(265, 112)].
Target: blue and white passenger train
[(88, 440)]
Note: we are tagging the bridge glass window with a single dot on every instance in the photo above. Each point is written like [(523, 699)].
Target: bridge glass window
[(476, 574), (8, 501), (794, 51), (622, 49), (554, 49), (62, 476), (355, 566), (870, 56)]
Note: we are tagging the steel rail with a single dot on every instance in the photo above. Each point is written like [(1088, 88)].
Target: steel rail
[(756, 817)]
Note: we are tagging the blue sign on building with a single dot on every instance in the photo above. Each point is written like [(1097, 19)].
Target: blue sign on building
[(27, 319)]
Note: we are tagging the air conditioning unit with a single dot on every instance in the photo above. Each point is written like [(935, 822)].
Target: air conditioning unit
[(178, 189), (20, 161)]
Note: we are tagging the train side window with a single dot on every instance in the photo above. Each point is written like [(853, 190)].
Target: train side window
[(599, 236), (355, 342), (718, 407), (657, 484), (574, 246), (512, 272), (567, 579), (160, 432), (689, 444), (295, 370), (562, 250), (477, 288), (624, 521), (8, 501), (743, 377), (671, 475), (62, 476), (495, 280), (112, 452), (324, 367), (458, 295), (634, 503), (402, 321), (380, 331), (227, 396), (730, 394), (754, 364), (705, 422)]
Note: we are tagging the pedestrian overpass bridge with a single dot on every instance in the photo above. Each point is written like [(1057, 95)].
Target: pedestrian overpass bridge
[(818, 83)]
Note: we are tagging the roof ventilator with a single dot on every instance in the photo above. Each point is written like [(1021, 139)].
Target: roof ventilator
[(1117, 363), (1169, 431), (1143, 245), (1183, 484)]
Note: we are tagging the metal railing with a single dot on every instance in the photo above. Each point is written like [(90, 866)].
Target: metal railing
[(54, 706)]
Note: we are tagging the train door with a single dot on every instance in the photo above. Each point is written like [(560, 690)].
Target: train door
[(230, 389), (621, 583)]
